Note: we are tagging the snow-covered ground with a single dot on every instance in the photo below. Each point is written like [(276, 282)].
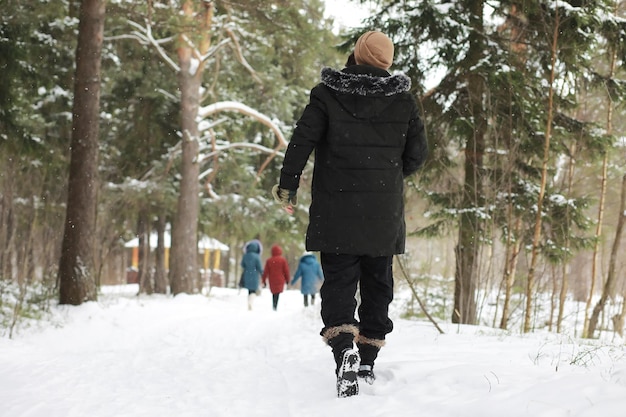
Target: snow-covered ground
[(209, 356)]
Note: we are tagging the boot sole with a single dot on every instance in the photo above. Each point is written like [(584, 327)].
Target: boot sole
[(347, 381)]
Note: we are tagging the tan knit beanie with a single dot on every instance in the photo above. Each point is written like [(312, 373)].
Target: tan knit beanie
[(375, 49)]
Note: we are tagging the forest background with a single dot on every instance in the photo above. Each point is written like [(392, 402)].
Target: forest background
[(120, 119)]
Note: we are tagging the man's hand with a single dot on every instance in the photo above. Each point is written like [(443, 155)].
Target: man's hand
[(286, 198)]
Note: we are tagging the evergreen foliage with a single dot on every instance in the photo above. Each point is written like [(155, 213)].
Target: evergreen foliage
[(515, 63)]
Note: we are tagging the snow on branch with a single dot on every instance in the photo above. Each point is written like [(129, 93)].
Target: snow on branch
[(239, 53), (255, 146), (214, 49), (200, 59), (144, 35), (210, 172), (238, 107)]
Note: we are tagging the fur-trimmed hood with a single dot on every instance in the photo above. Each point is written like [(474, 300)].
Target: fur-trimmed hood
[(364, 80)]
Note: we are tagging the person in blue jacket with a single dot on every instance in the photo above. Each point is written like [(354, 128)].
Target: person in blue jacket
[(252, 270), (311, 272)]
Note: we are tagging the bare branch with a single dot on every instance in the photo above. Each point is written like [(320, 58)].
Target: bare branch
[(240, 56), (196, 53), (144, 35), (167, 94), (205, 126), (255, 146), (248, 111), (414, 291), (134, 36), (145, 32), (215, 48)]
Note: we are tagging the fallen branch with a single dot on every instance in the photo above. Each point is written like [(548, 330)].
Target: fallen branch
[(412, 287)]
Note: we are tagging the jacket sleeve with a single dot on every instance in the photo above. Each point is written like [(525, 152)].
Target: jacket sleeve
[(310, 129), (297, 275), (286, 271), (259, 266), (265, 271), (416, 148)]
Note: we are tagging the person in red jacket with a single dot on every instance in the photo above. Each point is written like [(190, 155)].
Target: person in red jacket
[(277, 271)]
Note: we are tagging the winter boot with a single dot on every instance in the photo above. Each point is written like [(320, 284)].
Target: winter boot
[(341, 340), (366, 372), (368, 350), (347, 383)]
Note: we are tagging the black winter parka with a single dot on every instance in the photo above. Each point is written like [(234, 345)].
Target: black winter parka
[(367, 135)]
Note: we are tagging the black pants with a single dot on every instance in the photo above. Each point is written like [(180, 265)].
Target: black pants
[(342, 275), (275, 300), (306, 299)]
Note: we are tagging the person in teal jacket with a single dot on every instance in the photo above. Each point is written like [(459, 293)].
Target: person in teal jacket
[(311, 273), (252, 271)]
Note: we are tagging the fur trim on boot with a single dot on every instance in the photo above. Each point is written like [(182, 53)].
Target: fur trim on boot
[(332, 332), (368, 349), (379, 343), (341, 339)]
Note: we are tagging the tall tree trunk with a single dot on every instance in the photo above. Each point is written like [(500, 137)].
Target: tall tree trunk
[(553, 296), (7, 218), (530, 284), (184, 250), (518, 47), (590, 325), (513, 244), (596, 247), (618, 319), (466, 251), (566, 265), (144, 274), (76, 275), (611, 279), (160, 279)]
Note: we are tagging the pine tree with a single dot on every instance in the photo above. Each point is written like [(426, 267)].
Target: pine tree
[(76, 267), (492, 107)]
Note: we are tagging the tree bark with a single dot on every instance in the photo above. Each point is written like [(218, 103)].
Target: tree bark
[(144, 273), (7, 221), (530, 283), (596, 251), (611, 279), (510, 267), (466, 251), (590, 325), (566, 266), (184, 250), (76, 275), (160, 279)]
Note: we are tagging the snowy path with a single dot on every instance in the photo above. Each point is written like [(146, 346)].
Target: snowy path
[(199, 356)]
